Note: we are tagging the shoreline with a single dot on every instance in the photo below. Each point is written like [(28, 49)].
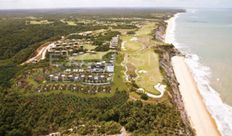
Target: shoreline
[(199, 116)]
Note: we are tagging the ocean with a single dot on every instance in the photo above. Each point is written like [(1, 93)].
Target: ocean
[(205, 36)]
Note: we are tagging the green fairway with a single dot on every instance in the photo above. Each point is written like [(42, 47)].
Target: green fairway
[(146, 30), (40, 22), (119, 82), (71, 23), (139, 52)]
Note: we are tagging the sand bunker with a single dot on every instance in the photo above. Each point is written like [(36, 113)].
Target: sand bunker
[(134, 39), (159, 87), (142, 71)]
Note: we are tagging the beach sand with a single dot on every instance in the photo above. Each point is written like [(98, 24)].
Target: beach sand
[(197, 112), (170, 30)]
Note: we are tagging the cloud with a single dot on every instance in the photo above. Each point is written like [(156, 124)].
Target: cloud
[(11, 4)]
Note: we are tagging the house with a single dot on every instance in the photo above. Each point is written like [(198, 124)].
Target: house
[(68, 70), (110, 68), (63, 77), (70, 77), (56, 78), (114, 42), (76, 78), (51, 77), (97, 67)]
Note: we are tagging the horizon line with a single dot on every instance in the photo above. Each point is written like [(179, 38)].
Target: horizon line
[(115, 7)]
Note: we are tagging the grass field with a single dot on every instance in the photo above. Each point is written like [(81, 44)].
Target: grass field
[(123, 31), (146, 29), (119, 82), (89, 47), (90, 56), (71, 23), (134, 45), (139, 52), (41, 22)]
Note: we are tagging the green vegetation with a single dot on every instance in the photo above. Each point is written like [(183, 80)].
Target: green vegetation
[(144, 96), (139, 52), (90, 56), (39, 22), (7, 72), (16, 35), (119, 79), (131, 32), (102, 37), (146, 119), (43, 114), (71, 23), (103, 47), (19, 40), (124, 27), (108, 56)]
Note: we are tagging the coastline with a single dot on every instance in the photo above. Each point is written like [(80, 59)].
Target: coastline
[(198, 114), (200, 118)]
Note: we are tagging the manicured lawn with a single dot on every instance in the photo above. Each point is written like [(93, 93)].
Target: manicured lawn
[(130, 43), (89, 56), (119, 82), (146, 29), (89, 47), (71, 23), (141, 55), (41, 22), (150, 64)]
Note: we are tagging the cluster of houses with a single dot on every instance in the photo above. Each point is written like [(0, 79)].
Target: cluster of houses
[(87, 77), (95, 73), (114, 42), (67, 47)]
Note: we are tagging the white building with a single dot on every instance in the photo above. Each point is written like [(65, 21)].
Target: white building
[(110, 69)]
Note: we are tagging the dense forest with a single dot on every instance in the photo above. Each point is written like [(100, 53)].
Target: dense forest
[(16, 35), (43, 114)]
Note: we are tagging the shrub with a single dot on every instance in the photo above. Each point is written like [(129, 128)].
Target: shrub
[(144, 96)]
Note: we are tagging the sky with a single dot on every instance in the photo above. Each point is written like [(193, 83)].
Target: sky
[(35, 4)]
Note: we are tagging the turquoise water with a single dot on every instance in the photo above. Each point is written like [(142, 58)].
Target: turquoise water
[(206, 37)]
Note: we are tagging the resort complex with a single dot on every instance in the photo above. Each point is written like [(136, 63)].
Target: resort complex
[(97, 72), (69, 71)]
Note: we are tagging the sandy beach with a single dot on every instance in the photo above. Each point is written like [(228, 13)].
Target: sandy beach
[(198, 114), (169, 34)]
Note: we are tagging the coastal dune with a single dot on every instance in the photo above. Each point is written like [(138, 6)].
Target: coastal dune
[(197, 112)]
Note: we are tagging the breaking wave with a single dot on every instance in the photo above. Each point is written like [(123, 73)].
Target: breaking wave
[(221, 112)]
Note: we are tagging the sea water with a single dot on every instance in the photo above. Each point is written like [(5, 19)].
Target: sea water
[(205, 36)]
